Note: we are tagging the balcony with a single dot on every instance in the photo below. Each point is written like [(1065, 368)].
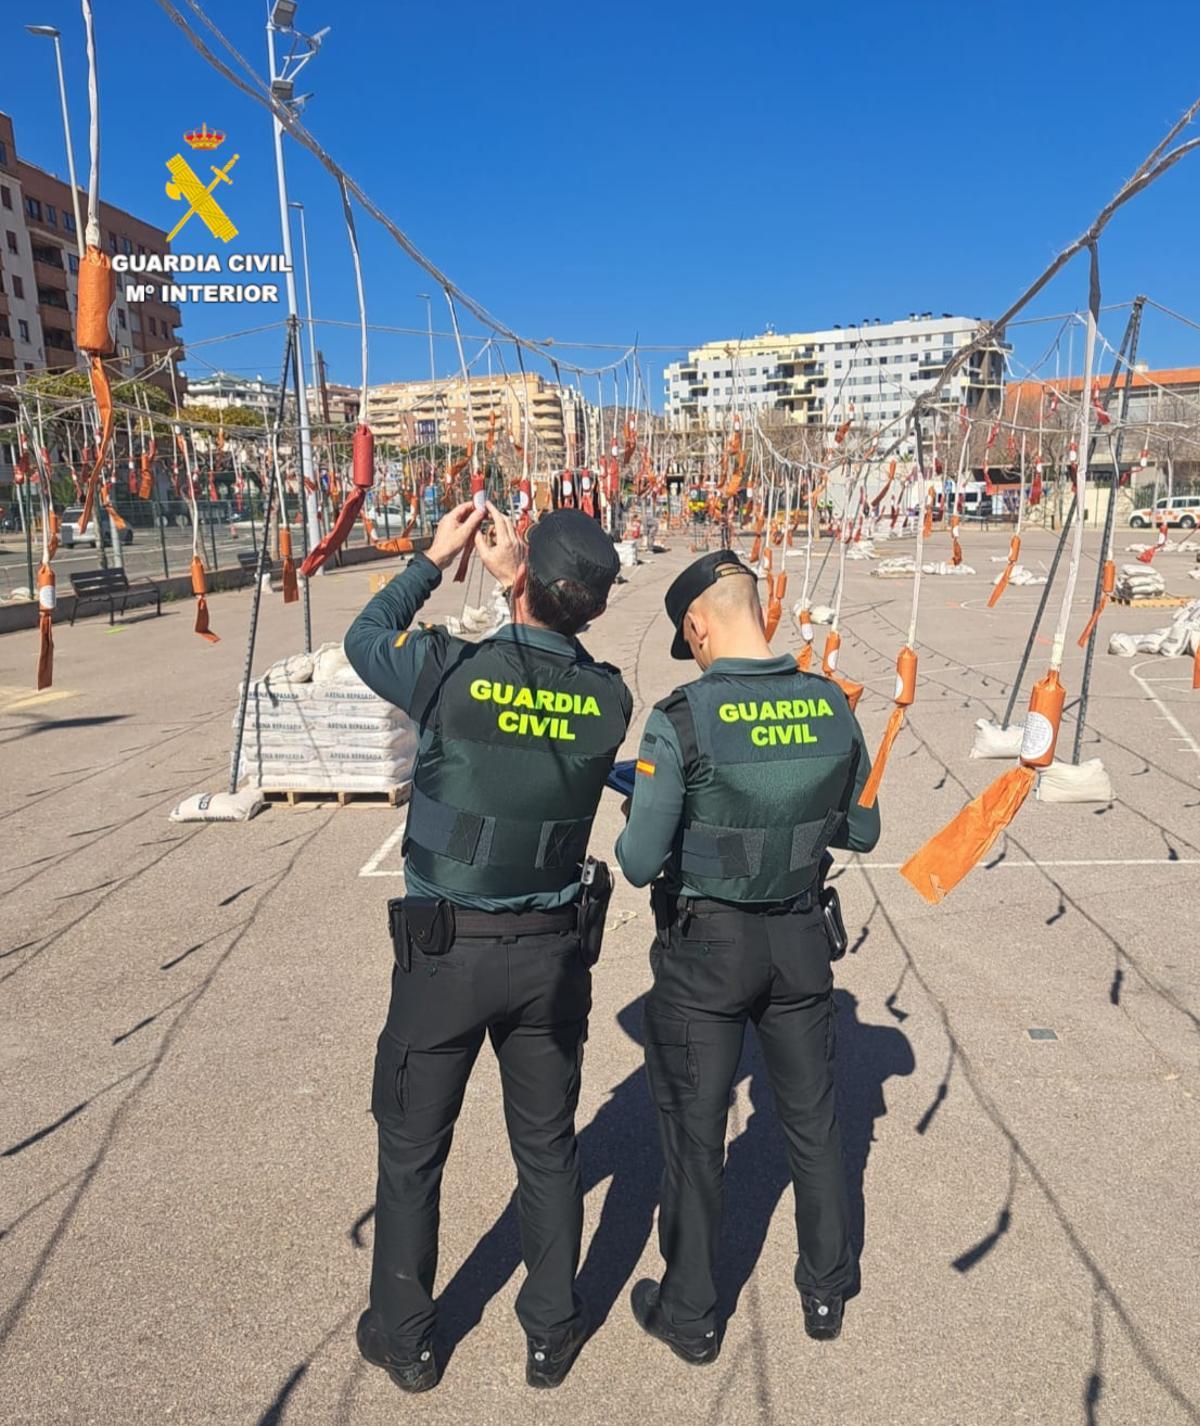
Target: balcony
[(49, 275), (58, 338), (53, 297)]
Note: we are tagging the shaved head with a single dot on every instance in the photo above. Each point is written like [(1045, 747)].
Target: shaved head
[(733, 596)]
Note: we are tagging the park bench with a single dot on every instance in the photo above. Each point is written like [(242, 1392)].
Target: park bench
[(248, 560), (108, 586)]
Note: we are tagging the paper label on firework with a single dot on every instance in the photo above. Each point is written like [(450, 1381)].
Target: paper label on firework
[(46, 596), (832, 658), (1038, 737), (806, 633), (480, 499), (568, 487), (899, 693)]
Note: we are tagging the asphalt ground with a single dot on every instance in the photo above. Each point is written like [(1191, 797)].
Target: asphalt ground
[(188, 1016)]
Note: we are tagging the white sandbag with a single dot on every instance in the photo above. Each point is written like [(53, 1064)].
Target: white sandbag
[(296, 668), (330, 665), (295, 780), (237, 806), (1123, 645), (993, 741), (1069, 782), (821, 614), (945, 567), (896, 567), (626, 553)]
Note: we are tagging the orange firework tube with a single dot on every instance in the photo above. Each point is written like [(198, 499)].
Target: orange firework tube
[(96, 309), (291, 585), (906, 692), (47, 599), (829, 659), (950, 854), (1014, 553), (363, 477), (1108, 583), (479, 500), (200, 590)]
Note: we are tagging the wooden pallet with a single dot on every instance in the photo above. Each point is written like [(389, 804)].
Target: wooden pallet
[(1152, 601), (318, 797)]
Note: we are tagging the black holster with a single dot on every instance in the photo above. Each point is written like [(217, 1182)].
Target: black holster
[(421, 922), (664, 904), (593, 909), (831, 912)]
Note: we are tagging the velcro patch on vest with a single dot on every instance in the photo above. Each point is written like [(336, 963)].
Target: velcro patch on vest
[(551, 714)]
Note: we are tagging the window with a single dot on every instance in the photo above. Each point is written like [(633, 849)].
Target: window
[(153, 326), (12, 242), (112, 243), (68, 222), (23, 329), (52, 215), (18, 286), (126, 246), (33, 208), (6, 196), (3, 152), (120, 318), (72, 262)]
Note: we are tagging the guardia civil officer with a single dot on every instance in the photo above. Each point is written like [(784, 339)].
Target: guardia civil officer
[(745, 777), (497, 931)]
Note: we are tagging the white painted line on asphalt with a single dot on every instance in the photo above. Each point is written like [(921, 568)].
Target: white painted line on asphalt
[(1023, 865), (371, 866), (1193, 746)]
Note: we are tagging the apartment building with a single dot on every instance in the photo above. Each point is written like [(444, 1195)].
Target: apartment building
[(39, 266), (869, 373), (222, 389), (411, 413)]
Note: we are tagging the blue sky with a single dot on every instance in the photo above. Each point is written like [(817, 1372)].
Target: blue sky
[(679, 173)]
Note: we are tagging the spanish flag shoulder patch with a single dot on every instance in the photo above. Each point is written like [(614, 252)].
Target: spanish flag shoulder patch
[(645, 768), (399, 644)]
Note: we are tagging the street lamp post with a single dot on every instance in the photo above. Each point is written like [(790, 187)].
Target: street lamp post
[(283, 89), (425, 297), (52, 34), (312, 340)]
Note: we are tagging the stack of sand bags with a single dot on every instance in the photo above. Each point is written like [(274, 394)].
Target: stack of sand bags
[(863, 550), (1181, 636), (895, 568), (313, 725), (945, 567), (1139, 581)]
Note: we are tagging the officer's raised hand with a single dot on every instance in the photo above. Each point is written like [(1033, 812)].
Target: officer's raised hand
[(454, 533), (505, 557)]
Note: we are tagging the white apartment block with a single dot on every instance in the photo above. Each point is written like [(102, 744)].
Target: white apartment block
[(869, 373)]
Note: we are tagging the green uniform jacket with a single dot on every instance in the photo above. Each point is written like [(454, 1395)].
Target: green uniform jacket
[(659, 807), (389, 658)]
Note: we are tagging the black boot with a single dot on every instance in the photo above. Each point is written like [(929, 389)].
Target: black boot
[(696, 1351), (546, 1366), (822, 1315), (418, 1372)]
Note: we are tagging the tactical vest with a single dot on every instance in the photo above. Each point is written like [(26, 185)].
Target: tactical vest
[(769, 763), (505, 790)]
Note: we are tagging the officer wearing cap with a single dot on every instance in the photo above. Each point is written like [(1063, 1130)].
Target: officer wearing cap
[(497, 931), (745, 777)]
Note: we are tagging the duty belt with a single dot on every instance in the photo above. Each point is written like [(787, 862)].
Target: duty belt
[(471, 924)]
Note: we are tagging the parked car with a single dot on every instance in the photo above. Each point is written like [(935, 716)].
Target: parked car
[(70, 536), (1183, 510)]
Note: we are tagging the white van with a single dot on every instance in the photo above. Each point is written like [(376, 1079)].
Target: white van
[(1182, 510)]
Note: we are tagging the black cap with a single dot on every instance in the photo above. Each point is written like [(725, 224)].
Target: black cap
[(567, 544), (702, 574)]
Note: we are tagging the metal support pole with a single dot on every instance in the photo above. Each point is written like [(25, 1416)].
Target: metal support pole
[(297, 377), (261, 573), (1037, 618), (1132, 332), (308, 497)]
